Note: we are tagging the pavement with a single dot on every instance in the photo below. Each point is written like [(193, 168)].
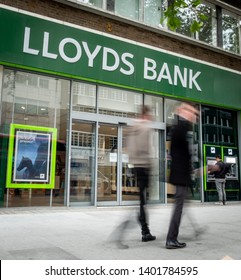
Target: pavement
[(212, 232)]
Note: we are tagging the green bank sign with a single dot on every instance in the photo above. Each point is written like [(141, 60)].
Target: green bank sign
[(50, 46)]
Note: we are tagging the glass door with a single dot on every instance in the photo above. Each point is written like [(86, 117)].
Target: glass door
[(116, 179), (82, 163), (156, 191), (107, 170)]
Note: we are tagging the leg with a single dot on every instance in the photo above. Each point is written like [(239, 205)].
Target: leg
[(143, 183), (120, 231), (177, 213), (219, 189), (224, 192)]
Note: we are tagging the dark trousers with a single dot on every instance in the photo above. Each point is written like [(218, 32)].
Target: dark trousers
[(142, 174), (180, 196)]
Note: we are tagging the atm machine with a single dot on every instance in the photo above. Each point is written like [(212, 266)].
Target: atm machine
[(230, 156), (210, 151)]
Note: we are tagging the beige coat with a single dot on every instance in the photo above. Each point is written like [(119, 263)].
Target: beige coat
[(138, 143)]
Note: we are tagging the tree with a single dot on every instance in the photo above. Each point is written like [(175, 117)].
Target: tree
[(178, 11)]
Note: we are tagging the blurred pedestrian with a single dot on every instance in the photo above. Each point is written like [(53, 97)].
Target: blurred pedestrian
[(181, 168), (138, 147)]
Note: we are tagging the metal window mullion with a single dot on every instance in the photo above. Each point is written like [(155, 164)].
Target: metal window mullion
[(96, 164), (219, 27), (96, 146), (68, 151), (201, 151), (119, 164)]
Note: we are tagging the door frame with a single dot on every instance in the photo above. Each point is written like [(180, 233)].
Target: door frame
[(97, 119)]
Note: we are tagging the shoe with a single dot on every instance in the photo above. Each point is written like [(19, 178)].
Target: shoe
[(225, 203), (175, 245), (200, 230), (121, 245), (148, 237), (219, 203)]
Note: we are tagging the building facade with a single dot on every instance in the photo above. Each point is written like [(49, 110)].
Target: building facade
[(73, 75)]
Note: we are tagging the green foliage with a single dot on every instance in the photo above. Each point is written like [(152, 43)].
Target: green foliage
[(181, 12)]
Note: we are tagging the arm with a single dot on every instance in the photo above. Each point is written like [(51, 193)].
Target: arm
[(213, 168)]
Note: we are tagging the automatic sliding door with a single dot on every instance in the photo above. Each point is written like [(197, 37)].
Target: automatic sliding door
[(156, 191), (107, 172)]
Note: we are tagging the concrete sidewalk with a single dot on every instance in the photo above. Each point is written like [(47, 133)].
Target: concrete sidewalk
[(87, 233)]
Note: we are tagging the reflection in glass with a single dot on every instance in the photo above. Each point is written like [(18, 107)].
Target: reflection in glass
[(219, 127), (116, 102), (82, 162), (230, 32), (107, 163), (133, 8), (35, 100), (130, 188), (154, 12), (84, 97), (208, 32), (156, 104)]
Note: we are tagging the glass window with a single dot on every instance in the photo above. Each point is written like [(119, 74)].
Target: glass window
[(118, 102), (110, 5), (219, 127), (96, 3), (82, 166), (43, 83), (185, 15), (40, 101), (208, 32), (170, 106), (120, 8), (153, 12), (156, 104), (21, 78), (131, 12), (230, 32), (20, 105), (43, 108), (84, 97), (31, 109), (32, 80)]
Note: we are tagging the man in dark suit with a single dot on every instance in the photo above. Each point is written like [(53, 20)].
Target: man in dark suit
[(181, 168)]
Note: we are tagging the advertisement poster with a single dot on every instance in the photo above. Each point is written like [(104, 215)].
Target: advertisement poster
[(32, 153)]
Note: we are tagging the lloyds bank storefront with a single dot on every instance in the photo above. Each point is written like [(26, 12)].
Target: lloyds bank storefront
[(67, 96)]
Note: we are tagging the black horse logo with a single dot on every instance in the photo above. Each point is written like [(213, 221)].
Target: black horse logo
[(38, 170), (28, 165)]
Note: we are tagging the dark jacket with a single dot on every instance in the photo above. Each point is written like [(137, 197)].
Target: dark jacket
[(181, 165), (220, 173)]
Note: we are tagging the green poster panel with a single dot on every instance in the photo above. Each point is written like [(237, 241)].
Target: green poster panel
[(31, 157)]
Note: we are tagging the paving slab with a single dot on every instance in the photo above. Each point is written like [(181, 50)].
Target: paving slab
[(212, 232)]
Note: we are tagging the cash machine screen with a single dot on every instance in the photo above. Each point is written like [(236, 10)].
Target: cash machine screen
[(211, 162), (230, 159)]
